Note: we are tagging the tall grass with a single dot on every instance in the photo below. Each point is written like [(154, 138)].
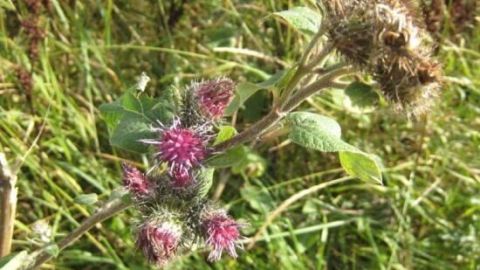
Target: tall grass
[(424, 217)]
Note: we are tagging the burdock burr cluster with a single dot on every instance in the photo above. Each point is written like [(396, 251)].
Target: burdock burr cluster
[(175, 215), (387, 39)]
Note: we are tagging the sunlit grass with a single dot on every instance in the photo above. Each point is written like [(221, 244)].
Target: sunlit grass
[(424, 217)]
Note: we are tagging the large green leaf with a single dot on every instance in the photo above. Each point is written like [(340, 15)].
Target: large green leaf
[(302, 19), (130, 117), (324, 134), (316, 132), (128, 133), (112, 114)]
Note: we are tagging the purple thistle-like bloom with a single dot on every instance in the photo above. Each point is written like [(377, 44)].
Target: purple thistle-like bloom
[(181, 148), (159, 243), (135, 181), (221, 232), (214, 96)]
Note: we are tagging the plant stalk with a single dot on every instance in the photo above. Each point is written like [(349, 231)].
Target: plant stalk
[(9, 204), (108, 210)]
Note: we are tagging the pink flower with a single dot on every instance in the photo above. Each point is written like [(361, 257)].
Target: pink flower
[(135, 181), (214, 96), (221, 232), (181, 148), (159, 242)]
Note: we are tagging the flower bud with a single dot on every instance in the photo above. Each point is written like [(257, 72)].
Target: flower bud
[(221, 233), (213, 96), (135, 181), (159, 242), (181, 177)]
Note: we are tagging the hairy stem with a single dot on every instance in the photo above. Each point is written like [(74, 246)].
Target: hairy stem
[(108, 210), (305, 68), (9, 204), (328, 80)]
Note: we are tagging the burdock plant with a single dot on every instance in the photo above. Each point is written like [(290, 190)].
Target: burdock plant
[(375, 44)]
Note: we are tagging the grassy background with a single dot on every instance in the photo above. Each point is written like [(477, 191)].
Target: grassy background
[(426, 216)]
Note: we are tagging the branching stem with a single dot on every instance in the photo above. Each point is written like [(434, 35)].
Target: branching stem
[(108, 210), (278, 112)]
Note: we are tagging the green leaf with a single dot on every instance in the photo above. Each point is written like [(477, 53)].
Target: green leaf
[(14, 261), (273, 80), (302, 19), (130, 131), (229, 158), (361, 165), (361, 95), (245, 90), (324, 134), (279, 79), (161, 109), (112, 113), (316, 132), (130, 117), (132, 103), (242, 93), (225, 133), (86, 199), (205, 180)]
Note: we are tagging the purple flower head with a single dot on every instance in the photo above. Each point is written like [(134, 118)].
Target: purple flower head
[(181, 148), (221, 232), (159, 242), (214, 96), (135, 181)]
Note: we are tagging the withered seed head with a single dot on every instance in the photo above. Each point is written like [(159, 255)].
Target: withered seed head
[(386, 39)]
